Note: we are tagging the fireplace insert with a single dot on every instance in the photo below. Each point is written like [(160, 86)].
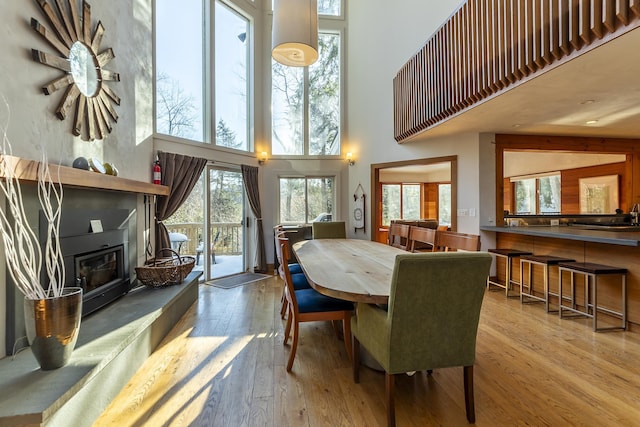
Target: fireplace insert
[(95, 261)]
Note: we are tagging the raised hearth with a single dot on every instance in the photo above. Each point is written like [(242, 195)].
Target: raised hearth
[(112, 345)]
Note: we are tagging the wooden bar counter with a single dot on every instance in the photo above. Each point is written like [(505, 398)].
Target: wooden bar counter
[(614, 248)]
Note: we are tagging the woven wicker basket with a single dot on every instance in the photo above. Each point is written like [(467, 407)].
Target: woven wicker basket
[(161, 272)]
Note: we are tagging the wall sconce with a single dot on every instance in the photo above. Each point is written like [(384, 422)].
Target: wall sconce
[(295, 32), (350, 159), (262, 158)]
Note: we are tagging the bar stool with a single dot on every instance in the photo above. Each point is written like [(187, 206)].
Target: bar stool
[(509, 255), (591, 273), (545, 261)]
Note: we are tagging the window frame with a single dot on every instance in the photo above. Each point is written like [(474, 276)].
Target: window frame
[(536, 177), (248, 10), (401, 208)]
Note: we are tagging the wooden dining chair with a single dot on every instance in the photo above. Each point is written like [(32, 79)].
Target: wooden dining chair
[(399, 235), (431, 321), (308, 305), (297, 276), (447, 241), (421, 239)]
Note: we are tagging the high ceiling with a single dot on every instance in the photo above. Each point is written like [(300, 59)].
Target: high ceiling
[(602, 85)]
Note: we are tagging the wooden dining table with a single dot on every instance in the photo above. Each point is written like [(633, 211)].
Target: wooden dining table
[(349, 269)]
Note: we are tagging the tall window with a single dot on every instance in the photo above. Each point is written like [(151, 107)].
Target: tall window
[(537, 195), (400, 201), (179, 76), (231, 78), (303, 200), (305, 103), (183, 97)]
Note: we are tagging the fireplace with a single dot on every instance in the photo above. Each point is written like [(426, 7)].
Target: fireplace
[(95, 250)]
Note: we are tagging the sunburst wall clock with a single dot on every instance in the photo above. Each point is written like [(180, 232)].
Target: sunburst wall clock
[(82, 62)]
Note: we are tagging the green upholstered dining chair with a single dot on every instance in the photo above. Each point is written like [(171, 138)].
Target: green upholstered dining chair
[(431, 321), (329, 230)]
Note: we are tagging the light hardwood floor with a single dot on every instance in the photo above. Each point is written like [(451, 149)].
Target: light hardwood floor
[(223, 365)]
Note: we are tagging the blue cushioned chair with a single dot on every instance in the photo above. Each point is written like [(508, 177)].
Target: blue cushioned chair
[(308, 305), (298, 278)]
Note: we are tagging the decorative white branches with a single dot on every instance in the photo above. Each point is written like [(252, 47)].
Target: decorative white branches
[(50, 195), (21, 245)]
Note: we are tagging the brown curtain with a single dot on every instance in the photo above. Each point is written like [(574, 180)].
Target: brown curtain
[(250, 179), (180, 173)]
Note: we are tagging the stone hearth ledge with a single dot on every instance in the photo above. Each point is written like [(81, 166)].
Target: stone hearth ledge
[(112, 345)]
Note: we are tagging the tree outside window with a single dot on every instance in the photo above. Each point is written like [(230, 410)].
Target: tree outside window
[(182, 93), (538, 195), (231, 76), (305, 103), (327, 7), (304, 199), (411, 201), (400, 201), (179, 81), (444, 204)]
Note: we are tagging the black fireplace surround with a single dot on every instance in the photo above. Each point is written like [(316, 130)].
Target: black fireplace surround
[(97, 261)]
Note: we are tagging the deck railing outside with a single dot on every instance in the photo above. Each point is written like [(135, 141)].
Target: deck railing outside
[(228, 241), (487, 46)]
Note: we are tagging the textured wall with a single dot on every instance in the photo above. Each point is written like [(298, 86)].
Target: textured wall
[(33, 123)]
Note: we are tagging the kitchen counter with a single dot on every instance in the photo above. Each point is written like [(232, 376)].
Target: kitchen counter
[(607, 236)]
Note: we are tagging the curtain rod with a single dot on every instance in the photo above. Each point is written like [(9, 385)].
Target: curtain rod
[(213, 162)]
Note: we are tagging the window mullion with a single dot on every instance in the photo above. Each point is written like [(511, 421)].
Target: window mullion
[(306, 200), (208, 72), (307, 126)]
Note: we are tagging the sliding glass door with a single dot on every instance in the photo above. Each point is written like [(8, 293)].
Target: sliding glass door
[(210, 223), (225, 222)]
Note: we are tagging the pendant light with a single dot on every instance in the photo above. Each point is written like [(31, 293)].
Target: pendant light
[(295, 32)]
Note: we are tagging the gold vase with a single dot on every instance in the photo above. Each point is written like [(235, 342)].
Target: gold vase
[(52, 327)]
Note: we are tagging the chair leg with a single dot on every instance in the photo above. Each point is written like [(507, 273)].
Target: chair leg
[(287, 330), (468, 394), (294, 344), (284, 305), (355, 360), (391, 408), (346, 331), (336, 329)]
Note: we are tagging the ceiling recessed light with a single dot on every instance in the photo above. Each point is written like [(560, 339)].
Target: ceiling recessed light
[(516, 125), (591, 122)]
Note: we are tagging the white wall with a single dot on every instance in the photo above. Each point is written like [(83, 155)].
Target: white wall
[(33, 123), (382, 36), (441, 175)]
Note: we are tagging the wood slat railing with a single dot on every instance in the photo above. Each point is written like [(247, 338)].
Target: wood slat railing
[(488, 46)]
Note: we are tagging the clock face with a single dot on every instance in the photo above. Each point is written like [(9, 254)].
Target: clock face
[(357, 214)]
